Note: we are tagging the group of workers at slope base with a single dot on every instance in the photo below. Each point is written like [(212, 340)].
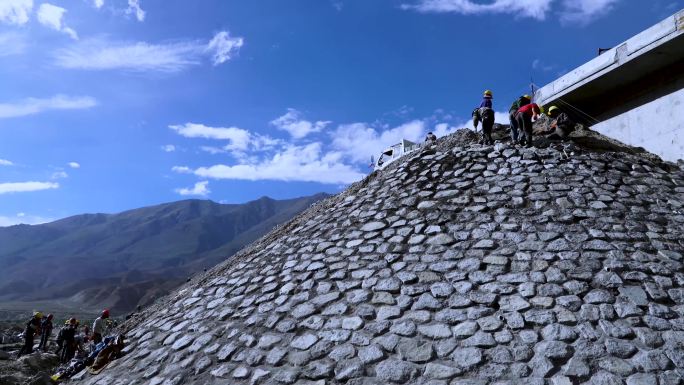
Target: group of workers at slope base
[(522, 113), (70, 338)]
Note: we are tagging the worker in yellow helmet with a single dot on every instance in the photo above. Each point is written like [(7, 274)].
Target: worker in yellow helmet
[(485, 114), (32, 329), (561, 124)]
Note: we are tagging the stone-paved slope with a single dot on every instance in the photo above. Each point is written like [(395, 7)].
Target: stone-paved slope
[(454, 266)]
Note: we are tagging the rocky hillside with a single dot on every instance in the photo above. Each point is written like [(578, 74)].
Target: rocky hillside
[(460, 264), (122, 260)]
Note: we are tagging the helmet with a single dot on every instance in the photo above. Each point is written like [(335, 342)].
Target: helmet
[(528, 97), (105, 313), (37, 314), (50, 316), (488, 93), (552, 109), (73, 321)]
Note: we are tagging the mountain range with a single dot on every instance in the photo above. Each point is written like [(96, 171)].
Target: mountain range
[(131, 258)]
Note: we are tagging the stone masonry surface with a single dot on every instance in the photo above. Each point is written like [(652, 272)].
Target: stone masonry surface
[(464, 265)]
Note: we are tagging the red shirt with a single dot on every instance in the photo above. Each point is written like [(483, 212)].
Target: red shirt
[(530, 109)]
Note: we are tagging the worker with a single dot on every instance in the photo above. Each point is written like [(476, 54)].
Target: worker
[(486, 116), (561, 126), (521, 101), (486, 99), (430, 138), (525, 116), (32, 328), (69, 340), (45, 332), (99, 325)]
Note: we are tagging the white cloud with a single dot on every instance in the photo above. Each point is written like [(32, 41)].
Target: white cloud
[(200, 188), (102, 54), (51, 16), (5, 162), (12, 43), (239, 139), (96, 54), (359, 141), (59, 175), (293, 163), (168, 148), (573, 11), (98, 3), (134, 9), (181, 169), (15, 11), (13, 187), (583, 12), (223, 47), (34, 105), (539, 65), (296, 126), (74, 165), (23, 219), (536, 9)]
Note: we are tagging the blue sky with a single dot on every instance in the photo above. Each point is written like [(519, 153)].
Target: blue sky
[(108, 105)]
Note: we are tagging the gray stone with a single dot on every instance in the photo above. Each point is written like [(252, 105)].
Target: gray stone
[(440, 372), (304, 342), (395, 371), (466, 358)]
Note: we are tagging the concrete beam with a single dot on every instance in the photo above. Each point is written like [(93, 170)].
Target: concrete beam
[(642, 77)]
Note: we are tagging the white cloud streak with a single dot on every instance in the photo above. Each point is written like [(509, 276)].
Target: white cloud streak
[(238, 138), (23, 219), (223, 47), (15, 12), (200, 188), (5, 162), (12, 43), (168, 148), (296, 126), (98, 3), (573, 11), (134, 9), (59, 175), (74, 165), (582, 12), (51, 16), (32, 106), (536, 9), (16, 187), (102, 54)]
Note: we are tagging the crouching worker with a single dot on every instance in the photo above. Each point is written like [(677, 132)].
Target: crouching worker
[(561, 126), (525, 116), (486, 116)]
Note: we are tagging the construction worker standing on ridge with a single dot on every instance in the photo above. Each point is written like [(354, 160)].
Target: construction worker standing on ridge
[(99, 325), (45, 332), (485, 114), (486, 99), (521, 101), (32, 328), (560, 127), (525, 116)]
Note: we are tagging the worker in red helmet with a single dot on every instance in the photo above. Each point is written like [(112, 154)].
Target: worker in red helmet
[(98, 326), (525, 116), (45, 332)]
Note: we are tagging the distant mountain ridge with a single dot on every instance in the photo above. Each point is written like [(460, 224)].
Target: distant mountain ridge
[(128, 259)]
